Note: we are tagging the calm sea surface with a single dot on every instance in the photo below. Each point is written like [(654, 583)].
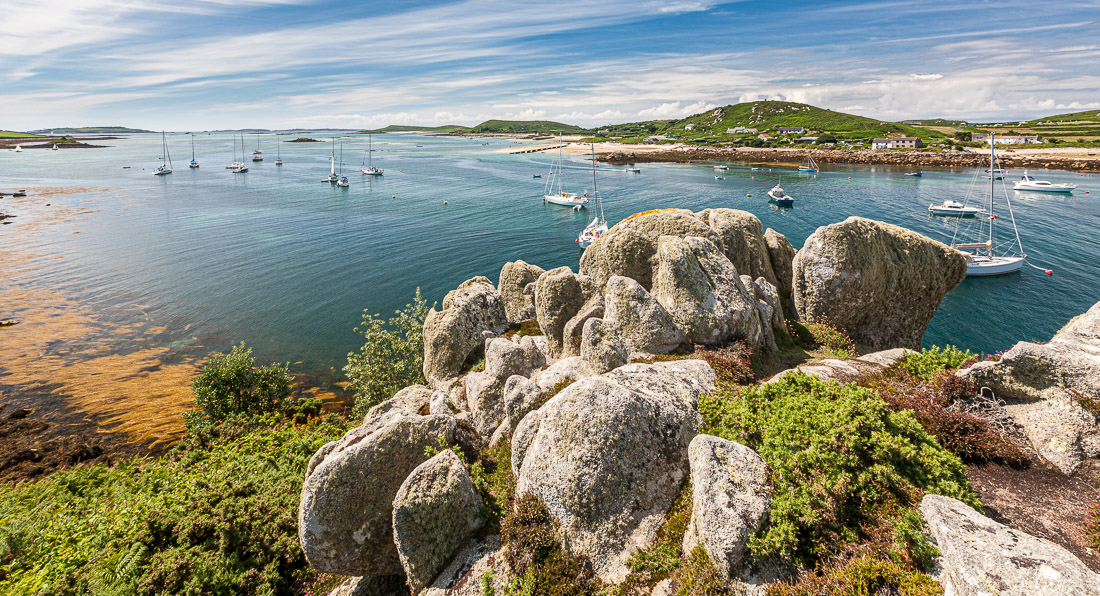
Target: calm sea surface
[(286, 263)]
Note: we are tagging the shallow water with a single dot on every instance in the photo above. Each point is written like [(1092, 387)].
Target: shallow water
[(287, 263)]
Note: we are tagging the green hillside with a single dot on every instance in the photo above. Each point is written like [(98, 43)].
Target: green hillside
[(91, 130), (407, 128), (766, 116), (7, 134), (525, 126), (1086, 116)]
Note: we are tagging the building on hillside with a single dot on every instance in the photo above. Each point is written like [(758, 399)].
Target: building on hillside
[(897, 143), (983, 137), (790, 130), (740, 130), (806, 139), (689, 127), (765, 136), (602, 131)]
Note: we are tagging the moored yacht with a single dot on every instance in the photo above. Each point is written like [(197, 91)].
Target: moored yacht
[(954, 208), (1026, 182)]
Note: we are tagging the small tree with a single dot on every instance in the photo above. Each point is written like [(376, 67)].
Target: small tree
[(231, 384), (392, 357)]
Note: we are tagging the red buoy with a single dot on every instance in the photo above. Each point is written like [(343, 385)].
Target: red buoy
[(749, 195), (1049, 272)]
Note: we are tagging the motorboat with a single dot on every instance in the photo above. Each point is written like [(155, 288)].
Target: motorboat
[(721, 168), (633, 170), (777, 196), (954, 208), (1028, 183), (719, 177), (536, 175), (916, 174)]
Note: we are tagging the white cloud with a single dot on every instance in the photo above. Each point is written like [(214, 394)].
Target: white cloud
[(675, 109)]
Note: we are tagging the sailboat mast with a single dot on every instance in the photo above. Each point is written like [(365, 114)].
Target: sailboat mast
[(992, 177), (192, 146), (559, 163), (370, 151)]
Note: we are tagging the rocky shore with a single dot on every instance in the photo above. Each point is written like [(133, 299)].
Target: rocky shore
[(900, 159), (600, 425)]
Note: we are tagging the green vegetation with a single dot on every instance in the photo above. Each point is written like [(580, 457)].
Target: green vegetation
[(928, 363), (537, 557), (544, 127), (7, 134), (837, 456), (392, 357), (1092, 524), (1086, 116), (832, 341), (91, 130)]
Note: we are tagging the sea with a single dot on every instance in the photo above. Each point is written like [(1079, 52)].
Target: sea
[(286, 263)]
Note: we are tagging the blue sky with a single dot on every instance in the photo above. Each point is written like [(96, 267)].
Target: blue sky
[(204, 64)]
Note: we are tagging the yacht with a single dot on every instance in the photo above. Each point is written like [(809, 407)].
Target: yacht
[(954, 208), (982, 256), (165, 168), (1028, 183), (257, 155), (371, 170)]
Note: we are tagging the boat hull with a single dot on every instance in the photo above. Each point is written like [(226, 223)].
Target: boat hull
[(986, 266), (954, 212), (569, 201), (1050, 189)]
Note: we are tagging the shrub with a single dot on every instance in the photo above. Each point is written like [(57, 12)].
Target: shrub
[(863, 575), (832, 340), (231, 385), (392, 357), (214, 518), (537, 556), (930, 362), (835, 455), (732, 364), (664, 555), (933, 405), (1092, 524)]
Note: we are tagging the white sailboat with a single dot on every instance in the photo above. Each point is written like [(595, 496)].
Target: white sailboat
[(165, 168), (560, 197), (598, 227), (54, 147), (18, 148), (332, 177), (194, 164), (279, 153), (370, 170), (811, 165), (257, 155), (991, 263), (342, 181), (239, 167)]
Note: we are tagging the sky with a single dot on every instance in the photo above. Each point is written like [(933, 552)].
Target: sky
[(213, 64)]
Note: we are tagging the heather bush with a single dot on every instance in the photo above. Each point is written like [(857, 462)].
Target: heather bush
[(931, 361), (1092, 524), (832, 340)]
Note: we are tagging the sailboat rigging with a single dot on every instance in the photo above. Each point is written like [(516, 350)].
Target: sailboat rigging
[(239, 167), (332, 177), (990, 263), (811, 165), (279, 153), (257, 155), (598, 226), (342, 181), (370, 170), (560, 197), (194, 164), (165, 168)]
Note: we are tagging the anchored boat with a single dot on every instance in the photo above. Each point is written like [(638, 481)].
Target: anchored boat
[(777, 196), (598, 227), (561, 197), (981, 257), (954, 208), (165, 168), (1028, 183), (370, 170)]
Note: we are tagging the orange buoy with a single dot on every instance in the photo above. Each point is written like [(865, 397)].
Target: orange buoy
[(1049, 272), (395, 196), (849, 177), (444, 202), (749, 195)]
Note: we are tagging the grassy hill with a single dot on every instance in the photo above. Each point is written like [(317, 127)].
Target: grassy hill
[(7, 134), (407, 128), (525, 126), (1086, 116), (90, 130)]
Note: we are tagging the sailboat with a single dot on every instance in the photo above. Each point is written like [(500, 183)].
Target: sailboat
[(279, 153), (598, 227), (342, 181), (54, 147), (18, 148), (165, 168), (990, 263), (194, 164), (560, 197), (239, 167), (370, 170), (811, 165), (332, 177), (257, 155)]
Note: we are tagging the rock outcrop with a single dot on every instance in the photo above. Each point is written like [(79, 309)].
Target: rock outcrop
[(345, 515), (729, 502), (602, 347), (1052, 380), (781, 255), (629, 248), (879, 282), (638, 318), (847, 370), (519, 304), (434, 512), (454, 334), (559, 296), (482, 559), (608, 454), (381, 585), (485, 390), (741, 237), (980, 556), (701, 289)]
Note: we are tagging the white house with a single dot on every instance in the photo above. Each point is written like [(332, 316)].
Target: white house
[(740, 130), (689, 127)]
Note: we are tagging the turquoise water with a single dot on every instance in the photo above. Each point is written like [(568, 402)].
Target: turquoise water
[(287, 263)]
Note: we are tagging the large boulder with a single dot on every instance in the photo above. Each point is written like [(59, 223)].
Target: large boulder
[(484, 560), (602, 347), (769, 307), (781, 256), (456, 333), (729, 501), (434, 512), (980, 556), (700, 288), (629, 248), (879, 282), (345, 515), (608, 454), (1052, 380), (519, 305), (381, 585), (742, 239), (574, 327), (638, 318), (485, 390), (559, 296)]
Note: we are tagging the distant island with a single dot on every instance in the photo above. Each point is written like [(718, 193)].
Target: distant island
[(90, 130), (409, 128)]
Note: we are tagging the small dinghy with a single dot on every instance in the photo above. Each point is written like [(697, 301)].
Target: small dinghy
[(777, 196)]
